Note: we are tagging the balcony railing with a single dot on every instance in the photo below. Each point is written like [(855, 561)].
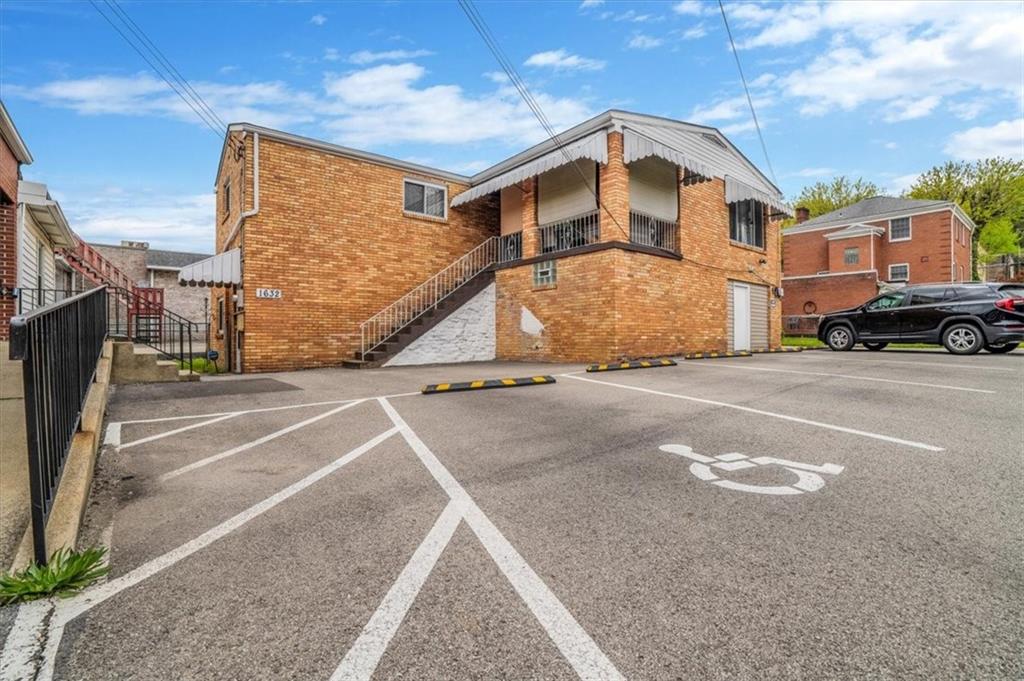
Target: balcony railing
[(648, 230), (579, 230), (510, 247)]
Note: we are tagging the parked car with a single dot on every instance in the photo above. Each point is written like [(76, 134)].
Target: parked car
[(962, 317)]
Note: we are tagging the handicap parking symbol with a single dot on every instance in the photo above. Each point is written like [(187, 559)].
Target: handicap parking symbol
[(808, 478)]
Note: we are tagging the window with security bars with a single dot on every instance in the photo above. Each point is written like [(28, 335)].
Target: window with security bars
[(851, 256), (746, 223), (425, 199)]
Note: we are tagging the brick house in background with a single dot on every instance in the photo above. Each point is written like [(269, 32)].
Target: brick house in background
[(638, 236), (841, 259), (13, 154), (155, 268)]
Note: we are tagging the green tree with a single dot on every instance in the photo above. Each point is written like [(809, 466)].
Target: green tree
[(825, 197), (996, 238), (987, 190)]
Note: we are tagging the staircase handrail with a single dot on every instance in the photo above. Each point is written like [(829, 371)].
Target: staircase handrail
[(381, 326)]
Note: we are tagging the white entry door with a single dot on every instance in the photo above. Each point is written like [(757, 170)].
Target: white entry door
[(741, 316)]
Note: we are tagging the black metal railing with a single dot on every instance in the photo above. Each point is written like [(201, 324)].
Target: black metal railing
[(579, 230), (510, 247), (648, 230), (59, 346), (30, 299), (141, 320)]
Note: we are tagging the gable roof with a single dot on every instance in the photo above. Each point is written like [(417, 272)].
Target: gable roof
[(172, 259), (876, 208)]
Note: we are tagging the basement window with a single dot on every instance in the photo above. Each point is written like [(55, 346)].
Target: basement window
[(899, 272), (851, 256), (545, 273), (746, 223), (427, 199)]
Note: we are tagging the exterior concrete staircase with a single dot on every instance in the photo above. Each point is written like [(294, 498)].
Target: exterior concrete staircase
[(136, 363)]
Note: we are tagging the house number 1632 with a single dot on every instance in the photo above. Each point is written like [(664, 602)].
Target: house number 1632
[(268, 293)]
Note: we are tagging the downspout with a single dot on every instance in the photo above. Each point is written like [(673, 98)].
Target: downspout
[(255, 191)]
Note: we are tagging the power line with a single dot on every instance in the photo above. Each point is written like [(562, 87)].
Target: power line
[(750, 101)]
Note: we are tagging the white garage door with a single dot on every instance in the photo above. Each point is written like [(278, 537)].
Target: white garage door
[(747, 316)]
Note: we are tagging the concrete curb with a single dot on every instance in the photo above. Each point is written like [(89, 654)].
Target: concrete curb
[(635, 364), (76, 480), (717, 355), (486, 384)]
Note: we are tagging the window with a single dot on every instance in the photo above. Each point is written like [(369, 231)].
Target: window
[(426, 199), (899, 272), (889, 300), (977, 293), (220, 316), (932, 295), (227, 199), (899, 229), (545, 273), (851, 256), (746, 223)]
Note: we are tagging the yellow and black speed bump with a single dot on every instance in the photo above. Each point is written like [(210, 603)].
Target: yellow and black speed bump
[(487, 384), (782, 349), (717, 355), (635, 364)]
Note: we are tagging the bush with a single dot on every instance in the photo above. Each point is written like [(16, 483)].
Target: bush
[(67, 573), (200, 365)]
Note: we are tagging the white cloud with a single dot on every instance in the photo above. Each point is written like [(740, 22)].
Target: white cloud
[(562, 60), (694, 32), (1005, 138), (367, 57), (634, 17), (814, 172), (902, 183), (891, 145), (970, 109), (168, 220), (689, 7), (587, 4), (641, 41), (318, 19), (331, 54), (727, 110), (909, 109)]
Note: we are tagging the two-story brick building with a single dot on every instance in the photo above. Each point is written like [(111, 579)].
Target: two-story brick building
[(632, 236), (843, 258)]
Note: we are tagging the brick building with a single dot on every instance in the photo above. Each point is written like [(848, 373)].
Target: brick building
[(637, 236), (842, 258), (13, 154), (154, 268)]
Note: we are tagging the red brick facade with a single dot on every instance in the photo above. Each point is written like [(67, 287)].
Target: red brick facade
[(8, 235), (939, 250)]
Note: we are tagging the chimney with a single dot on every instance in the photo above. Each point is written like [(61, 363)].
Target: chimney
[(802, 214)]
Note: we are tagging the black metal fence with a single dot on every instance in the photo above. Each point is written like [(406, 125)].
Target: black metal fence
[(800, 325), (59, 346)]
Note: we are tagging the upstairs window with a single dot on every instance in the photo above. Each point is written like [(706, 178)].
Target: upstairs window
[(422, 198), (851, 256), (899, 229), (746, 223)]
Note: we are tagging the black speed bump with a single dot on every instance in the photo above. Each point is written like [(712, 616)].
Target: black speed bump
[(485, 384), (781, 349), (718, 355), (635, 364)]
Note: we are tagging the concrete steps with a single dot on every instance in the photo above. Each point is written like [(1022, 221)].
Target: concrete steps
[(141, 364)]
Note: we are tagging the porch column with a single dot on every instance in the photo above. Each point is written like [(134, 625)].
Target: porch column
[(531, 238), (613, 188)]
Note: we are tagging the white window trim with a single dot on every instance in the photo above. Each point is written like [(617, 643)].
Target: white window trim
[(910, 230), (899, 264), (846, 252), (424, 183)]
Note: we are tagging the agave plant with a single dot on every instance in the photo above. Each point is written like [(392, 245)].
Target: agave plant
[(67, 573)]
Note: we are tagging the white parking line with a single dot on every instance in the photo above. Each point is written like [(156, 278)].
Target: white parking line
[(761, 412), (265, 409), (159, 436), (363, 657), (839, 357), (722, 365), (72, 608), (255, 443), (568, 636)]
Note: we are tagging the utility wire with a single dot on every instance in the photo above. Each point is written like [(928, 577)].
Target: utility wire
[(750, 101)]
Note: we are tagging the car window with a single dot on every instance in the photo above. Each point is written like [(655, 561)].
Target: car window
[(977, 293), (932, 295), (889, 300), (1016, 291)]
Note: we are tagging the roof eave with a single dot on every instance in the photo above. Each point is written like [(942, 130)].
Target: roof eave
[(13, 138)]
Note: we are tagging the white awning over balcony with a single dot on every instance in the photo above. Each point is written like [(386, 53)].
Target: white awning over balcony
[(223, 269), (593, 147), (703, 153)]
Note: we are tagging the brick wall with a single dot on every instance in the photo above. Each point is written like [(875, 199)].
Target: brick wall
[(129, 259), (8, 263), (837, 253), (819, 295), (332, 235)]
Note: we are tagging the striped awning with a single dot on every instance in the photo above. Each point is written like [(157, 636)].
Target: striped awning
[(593, 147), (223, 269)]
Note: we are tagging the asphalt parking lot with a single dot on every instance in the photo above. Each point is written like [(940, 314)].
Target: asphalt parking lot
[(811, 515)]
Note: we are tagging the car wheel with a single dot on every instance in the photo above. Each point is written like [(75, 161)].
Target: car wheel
[(840, 337), (875, 346), (1000, 349), (963, 339)]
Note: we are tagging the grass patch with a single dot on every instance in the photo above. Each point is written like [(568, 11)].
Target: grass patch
[(802, 342), (67, 573), (200, 365)]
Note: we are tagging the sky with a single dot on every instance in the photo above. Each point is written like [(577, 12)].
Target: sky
[(880, 90)]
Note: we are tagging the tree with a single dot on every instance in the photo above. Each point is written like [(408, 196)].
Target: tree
[(998, 237), (987, 190), (825, 197)]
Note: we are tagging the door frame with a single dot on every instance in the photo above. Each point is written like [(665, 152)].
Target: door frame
[(747, 320)]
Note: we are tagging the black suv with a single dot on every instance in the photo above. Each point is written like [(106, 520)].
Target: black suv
[(962, 317)]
